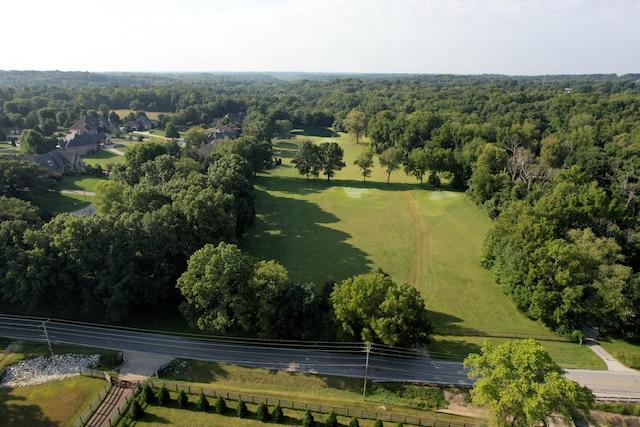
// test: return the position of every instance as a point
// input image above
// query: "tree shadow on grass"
(16, 415)
(302, 186)
(343, 383)
(155, 419)
(297, 234)
(446, 324)
(452, 349)
(316, 131)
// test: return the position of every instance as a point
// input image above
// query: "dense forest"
(553, 160)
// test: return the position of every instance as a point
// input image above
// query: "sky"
(512, 37)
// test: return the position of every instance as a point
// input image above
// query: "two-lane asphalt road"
(342, 359)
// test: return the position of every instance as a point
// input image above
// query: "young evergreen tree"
(202, 403)
(183, 400)
(262, 413)
(147, 394)
(220, 405)
(332, 420)
(277, 416)
(163, 397)
(135, 410)
(241, 409)
(307, 419)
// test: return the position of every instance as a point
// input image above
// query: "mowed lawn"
(430, 238)
(56, 403)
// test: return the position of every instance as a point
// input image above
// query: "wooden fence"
(93, 406)
(302, 406)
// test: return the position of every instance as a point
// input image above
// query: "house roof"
(89, 124)
(77, 140)
(52, 161)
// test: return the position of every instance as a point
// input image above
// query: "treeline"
(131, 252)
(195, 99)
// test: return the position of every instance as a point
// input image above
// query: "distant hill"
(77, 79)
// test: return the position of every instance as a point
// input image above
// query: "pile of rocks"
(43, 369)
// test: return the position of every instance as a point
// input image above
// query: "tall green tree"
(391, 160)
(195, 137)
(331, 158)
(308, 159)
(258, 125)
(521, 385)
(372, 307)
(33, 142)
(216, 288)
(417, 164)
(22, 178)
(231, 174)
(355, 123)
(143, 152)
(257, 153)
(171, 131)
(365, 162)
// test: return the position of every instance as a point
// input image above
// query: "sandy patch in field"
(440, 195)
(355, 193)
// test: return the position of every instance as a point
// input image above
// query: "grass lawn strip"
(327, 390)
(158, 415)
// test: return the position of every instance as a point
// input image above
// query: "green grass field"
(428, 237)
(106, 158)
(56, 403)
(81, 182)
(150, 114)
(61, 202)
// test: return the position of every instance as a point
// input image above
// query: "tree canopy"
(372, 307)
(520, 385)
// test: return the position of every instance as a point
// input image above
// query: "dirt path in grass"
(418, 261)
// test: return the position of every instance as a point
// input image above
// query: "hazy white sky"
(516, 37)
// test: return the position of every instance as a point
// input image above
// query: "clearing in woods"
(425, 236)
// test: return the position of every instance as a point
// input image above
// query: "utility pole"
(46, 335)
(366, 371)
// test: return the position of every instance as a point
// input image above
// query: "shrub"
(332, 420)
(262, 413)
(400, 424)
(147, 394)
(378, 423)
(241, 409)
(277, 416)
(629, 359)
(307, 419)
(354, 422)
(135, 410)
(577, 336)
(163, 397)
(220, 405)
(202, 403)
(183, 400)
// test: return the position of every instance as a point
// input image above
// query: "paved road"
(326, 359)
